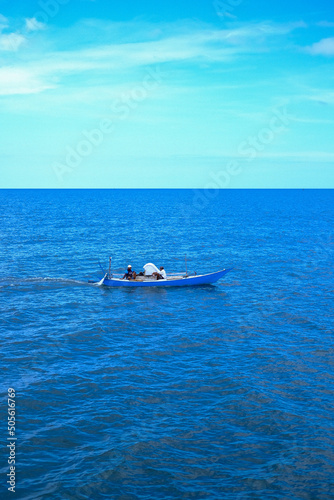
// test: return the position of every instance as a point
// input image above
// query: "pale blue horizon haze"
(235, 94)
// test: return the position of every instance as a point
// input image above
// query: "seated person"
(162, 275)
(129, 275)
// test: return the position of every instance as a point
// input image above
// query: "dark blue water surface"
(211, 392)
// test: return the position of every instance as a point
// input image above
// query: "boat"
(146, 279)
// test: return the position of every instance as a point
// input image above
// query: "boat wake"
(12, 281)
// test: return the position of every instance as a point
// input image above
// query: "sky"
(167, 94)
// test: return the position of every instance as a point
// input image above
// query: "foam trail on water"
(11, 281)
(100, 283)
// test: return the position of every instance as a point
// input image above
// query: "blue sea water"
(210, 392)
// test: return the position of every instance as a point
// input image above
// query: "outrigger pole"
(109, 266)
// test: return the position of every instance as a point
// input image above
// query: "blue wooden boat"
(141, 281)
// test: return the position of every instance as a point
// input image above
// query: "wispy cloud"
(319, 95)
(21, 81)
(323, 48)
(32, 24)
(312, 120)
(11, 42)
(325, 24)
(187, 43)
(324, 156)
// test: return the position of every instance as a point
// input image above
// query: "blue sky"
(233, 93)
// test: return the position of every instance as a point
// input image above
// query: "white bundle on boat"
(150, 269)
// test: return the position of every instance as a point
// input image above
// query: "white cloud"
(323, 48)
(321, 96)
(326, 24)
(11, 42)
(324, 97)
(325, 156)
(173, 43)
(20, 81)
(33, 25)
(3, 22)
(190, 45)
(311, 120)
(107, 60)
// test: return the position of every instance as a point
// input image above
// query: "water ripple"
(220, 392)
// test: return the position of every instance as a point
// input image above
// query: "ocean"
(211, 392)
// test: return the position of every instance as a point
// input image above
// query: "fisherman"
(162, 275)
(130, 275)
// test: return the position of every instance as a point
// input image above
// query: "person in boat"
(162, 275)
(130, 275)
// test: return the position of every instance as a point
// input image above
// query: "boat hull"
(204, 279)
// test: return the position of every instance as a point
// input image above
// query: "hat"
(129, 266)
